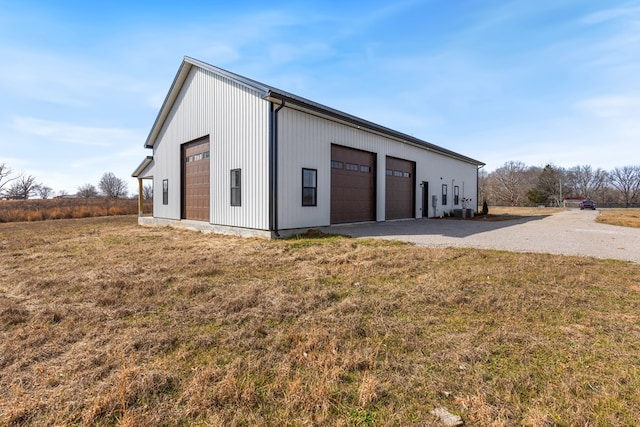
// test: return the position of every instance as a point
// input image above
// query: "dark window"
(236, 195)
(444, 194)
(206, 154)
(351, 167)
(165, 191)
(365, 169)
(406, 174)
(336, 165)
(389, 172)
(309, 187)
(456, 195)
(397, 173)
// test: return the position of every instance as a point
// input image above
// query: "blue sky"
(554, 81)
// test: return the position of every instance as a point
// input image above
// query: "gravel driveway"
(571, 232)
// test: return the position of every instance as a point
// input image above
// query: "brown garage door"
(195, 180)
(353, 178)
(400, 191)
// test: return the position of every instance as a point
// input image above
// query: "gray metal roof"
(278, 96)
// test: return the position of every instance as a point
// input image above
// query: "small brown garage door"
(400, 191)
(195, 180)
(353, 178)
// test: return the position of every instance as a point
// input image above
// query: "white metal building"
(233, 155)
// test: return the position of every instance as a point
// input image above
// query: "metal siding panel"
(301, 145)
(236, 119)
(305, 141)
(438, 170)
(242, 143)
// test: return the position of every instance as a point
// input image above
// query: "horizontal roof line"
(271, 93)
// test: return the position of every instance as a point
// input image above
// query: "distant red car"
(588, 204)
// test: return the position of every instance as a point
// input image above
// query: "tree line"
(513, 184)
(516, 184)
(19, 186)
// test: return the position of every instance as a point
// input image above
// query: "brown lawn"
(103, 322)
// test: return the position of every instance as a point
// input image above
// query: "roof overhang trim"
(142, 167)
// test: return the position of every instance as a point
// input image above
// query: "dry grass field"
(523, 211)
(623, 217)
(106, 323)
(44, 209)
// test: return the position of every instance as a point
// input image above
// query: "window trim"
(314, 188)
(165, 191)
(236, 190)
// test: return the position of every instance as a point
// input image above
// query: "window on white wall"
(456, 195)
(444, 194)
(165, 191)
(309, 187)
(236, 193)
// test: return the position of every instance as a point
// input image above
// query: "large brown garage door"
(195, 180)
(353, 178)
(400, 191)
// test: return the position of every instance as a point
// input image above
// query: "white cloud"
(611, 14)
(612, 106)
(75, 134)
(65, 79)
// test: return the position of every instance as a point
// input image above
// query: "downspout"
(273, 167)
(478, 188)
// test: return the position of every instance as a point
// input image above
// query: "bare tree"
(43, 191)
(627, 181)
(112, 186)
(23, 187)
(483, 186)
(147, 192)
(87, 191)
(508, 184)
(6, 177)
(585, 181)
